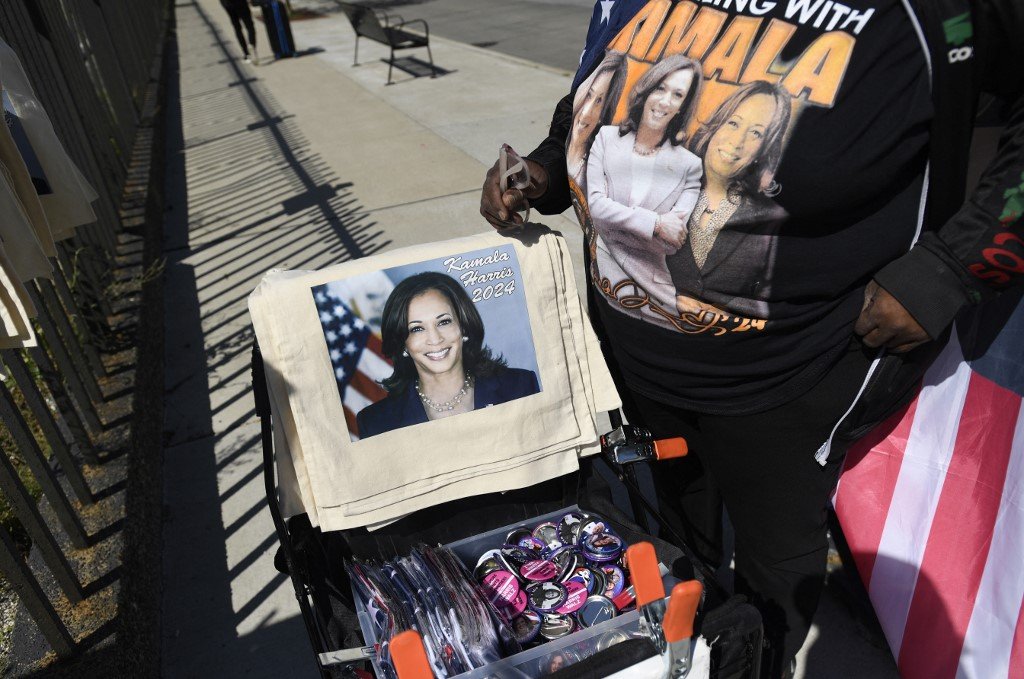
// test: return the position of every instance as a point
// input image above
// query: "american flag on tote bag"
(350, 315)
(932, 506)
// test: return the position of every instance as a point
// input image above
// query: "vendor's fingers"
(513, 222)
(877, 337)
(498, 208)
(507, 217)
(492, 207)
(866, 321)
(514, 200)
(865, 324)
(869, 294)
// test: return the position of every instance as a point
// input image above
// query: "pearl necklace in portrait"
(447, 405)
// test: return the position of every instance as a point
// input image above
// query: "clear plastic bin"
(549, 656)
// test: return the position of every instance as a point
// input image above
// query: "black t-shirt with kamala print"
(742, 169)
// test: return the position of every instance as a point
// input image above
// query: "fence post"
(49, 425)
(77, 326)
(31, 594)
(50, 311)
(77, 396)
(40, 466)
(79, 385)
(79, 269)
(27, 512)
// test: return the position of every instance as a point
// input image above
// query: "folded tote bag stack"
(351, 452)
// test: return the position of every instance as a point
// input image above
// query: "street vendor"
(789, 295)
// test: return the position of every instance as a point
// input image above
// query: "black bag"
(733, 629)
(279, 28)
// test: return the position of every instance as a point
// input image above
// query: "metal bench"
(387, 29)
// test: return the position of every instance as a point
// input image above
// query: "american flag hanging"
(932, 506)
(355, 351)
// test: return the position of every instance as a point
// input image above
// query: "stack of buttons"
(551, 580)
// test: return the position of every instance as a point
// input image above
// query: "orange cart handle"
(410, 657)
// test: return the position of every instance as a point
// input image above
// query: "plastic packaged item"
(542, 659)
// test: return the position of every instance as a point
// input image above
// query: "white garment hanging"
(17, 236)
(68, 204)
(16, 309)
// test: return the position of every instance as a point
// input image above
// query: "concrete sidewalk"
(302, 163)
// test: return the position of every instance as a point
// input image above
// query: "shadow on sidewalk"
(245, 194)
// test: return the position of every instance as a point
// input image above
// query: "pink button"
(501, 588)
(539, 571)
(574, 601)
(517, 606)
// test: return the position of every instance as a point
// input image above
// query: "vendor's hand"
(672, 228)
(500, 209)
(884, 322)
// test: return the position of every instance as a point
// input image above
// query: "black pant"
(240, 14)
(762, 467)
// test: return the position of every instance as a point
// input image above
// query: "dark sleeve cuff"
(556, 199)
(551, 154)
(927, 287)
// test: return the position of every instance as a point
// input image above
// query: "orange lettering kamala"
(819, 70)
(735, 56)
(767, 51)
(698, 36)
(636, 37)
(634, 69)
(671, 31)
(726, 58)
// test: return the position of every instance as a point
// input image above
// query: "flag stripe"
(862, 509)
(353, 426)
(367, 387)
(926, 458)
(989, 638)
(373, 366)
(373, 342)
(961, 533)
(1017, 652)
(355, 401)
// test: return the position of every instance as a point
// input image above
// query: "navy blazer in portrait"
(401, 410)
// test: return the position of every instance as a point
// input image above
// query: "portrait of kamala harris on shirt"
(642, 182)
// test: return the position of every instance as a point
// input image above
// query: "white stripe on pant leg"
(925, 461)
(986, 652)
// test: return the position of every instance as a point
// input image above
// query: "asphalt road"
(549, 32)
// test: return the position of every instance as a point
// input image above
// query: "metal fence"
(94, 65)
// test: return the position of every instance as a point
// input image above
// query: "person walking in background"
(240, 15)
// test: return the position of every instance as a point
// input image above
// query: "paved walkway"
(299, 164)
(294, 164)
